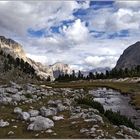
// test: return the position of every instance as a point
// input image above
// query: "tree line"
(10, 63)
(114, 73)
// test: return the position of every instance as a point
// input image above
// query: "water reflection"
(114, 100)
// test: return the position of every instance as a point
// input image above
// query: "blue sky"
(83, 34)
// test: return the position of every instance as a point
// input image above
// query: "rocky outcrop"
(9, 46)
(130, 57)
(60, 68)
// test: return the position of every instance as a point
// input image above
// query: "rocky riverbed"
(38, 111)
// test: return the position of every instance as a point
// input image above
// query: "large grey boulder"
(5, 100)
(48, 111)
(16, 97)
(41, 123)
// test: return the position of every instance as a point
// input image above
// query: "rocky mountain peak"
(11, 47)
(130, 57)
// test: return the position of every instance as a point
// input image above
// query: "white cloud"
(17, 17)
(77, 32)
(101, 61)
(75, 44)
(127, 4)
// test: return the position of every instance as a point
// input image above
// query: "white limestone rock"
(17, 110)
(41, 123)
(3, 123)
(33, 113)
(24, 116)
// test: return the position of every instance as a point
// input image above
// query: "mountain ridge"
(130, 57)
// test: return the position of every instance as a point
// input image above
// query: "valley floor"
(50, 111)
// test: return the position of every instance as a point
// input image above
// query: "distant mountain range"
(130, 57)
(99, 70)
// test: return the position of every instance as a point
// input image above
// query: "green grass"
(89, 101)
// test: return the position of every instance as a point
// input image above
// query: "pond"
(112, 99)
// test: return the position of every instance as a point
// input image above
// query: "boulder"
(41, 123)
(5, 100)
(16, 97)
(48, 111)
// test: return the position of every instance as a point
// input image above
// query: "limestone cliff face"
(13, 48)
(60, 68)
(130, 57)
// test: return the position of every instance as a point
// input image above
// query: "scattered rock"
(3, 123)
(41, 123)
(61, 107)
(36, 135)
(33, 113)
(15, 126)
(16, 97)
(10, 133)
(83, 130)
(17, 110)
(57, 118)
(49, 131)
(24, 116)
(48, 111)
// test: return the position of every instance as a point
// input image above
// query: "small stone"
(36, 135)
(14, 126)
(3, 123)
(49, 131)
(83, 130)
(54, 134)
(57, 118)
(61, 107)
(12, 120)
(73, 122)
(10, 133)
(17, 110)
(24, 116)
(92, 129)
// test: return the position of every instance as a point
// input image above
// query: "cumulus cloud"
(101, 61)
(77, 32)
(17, 17)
